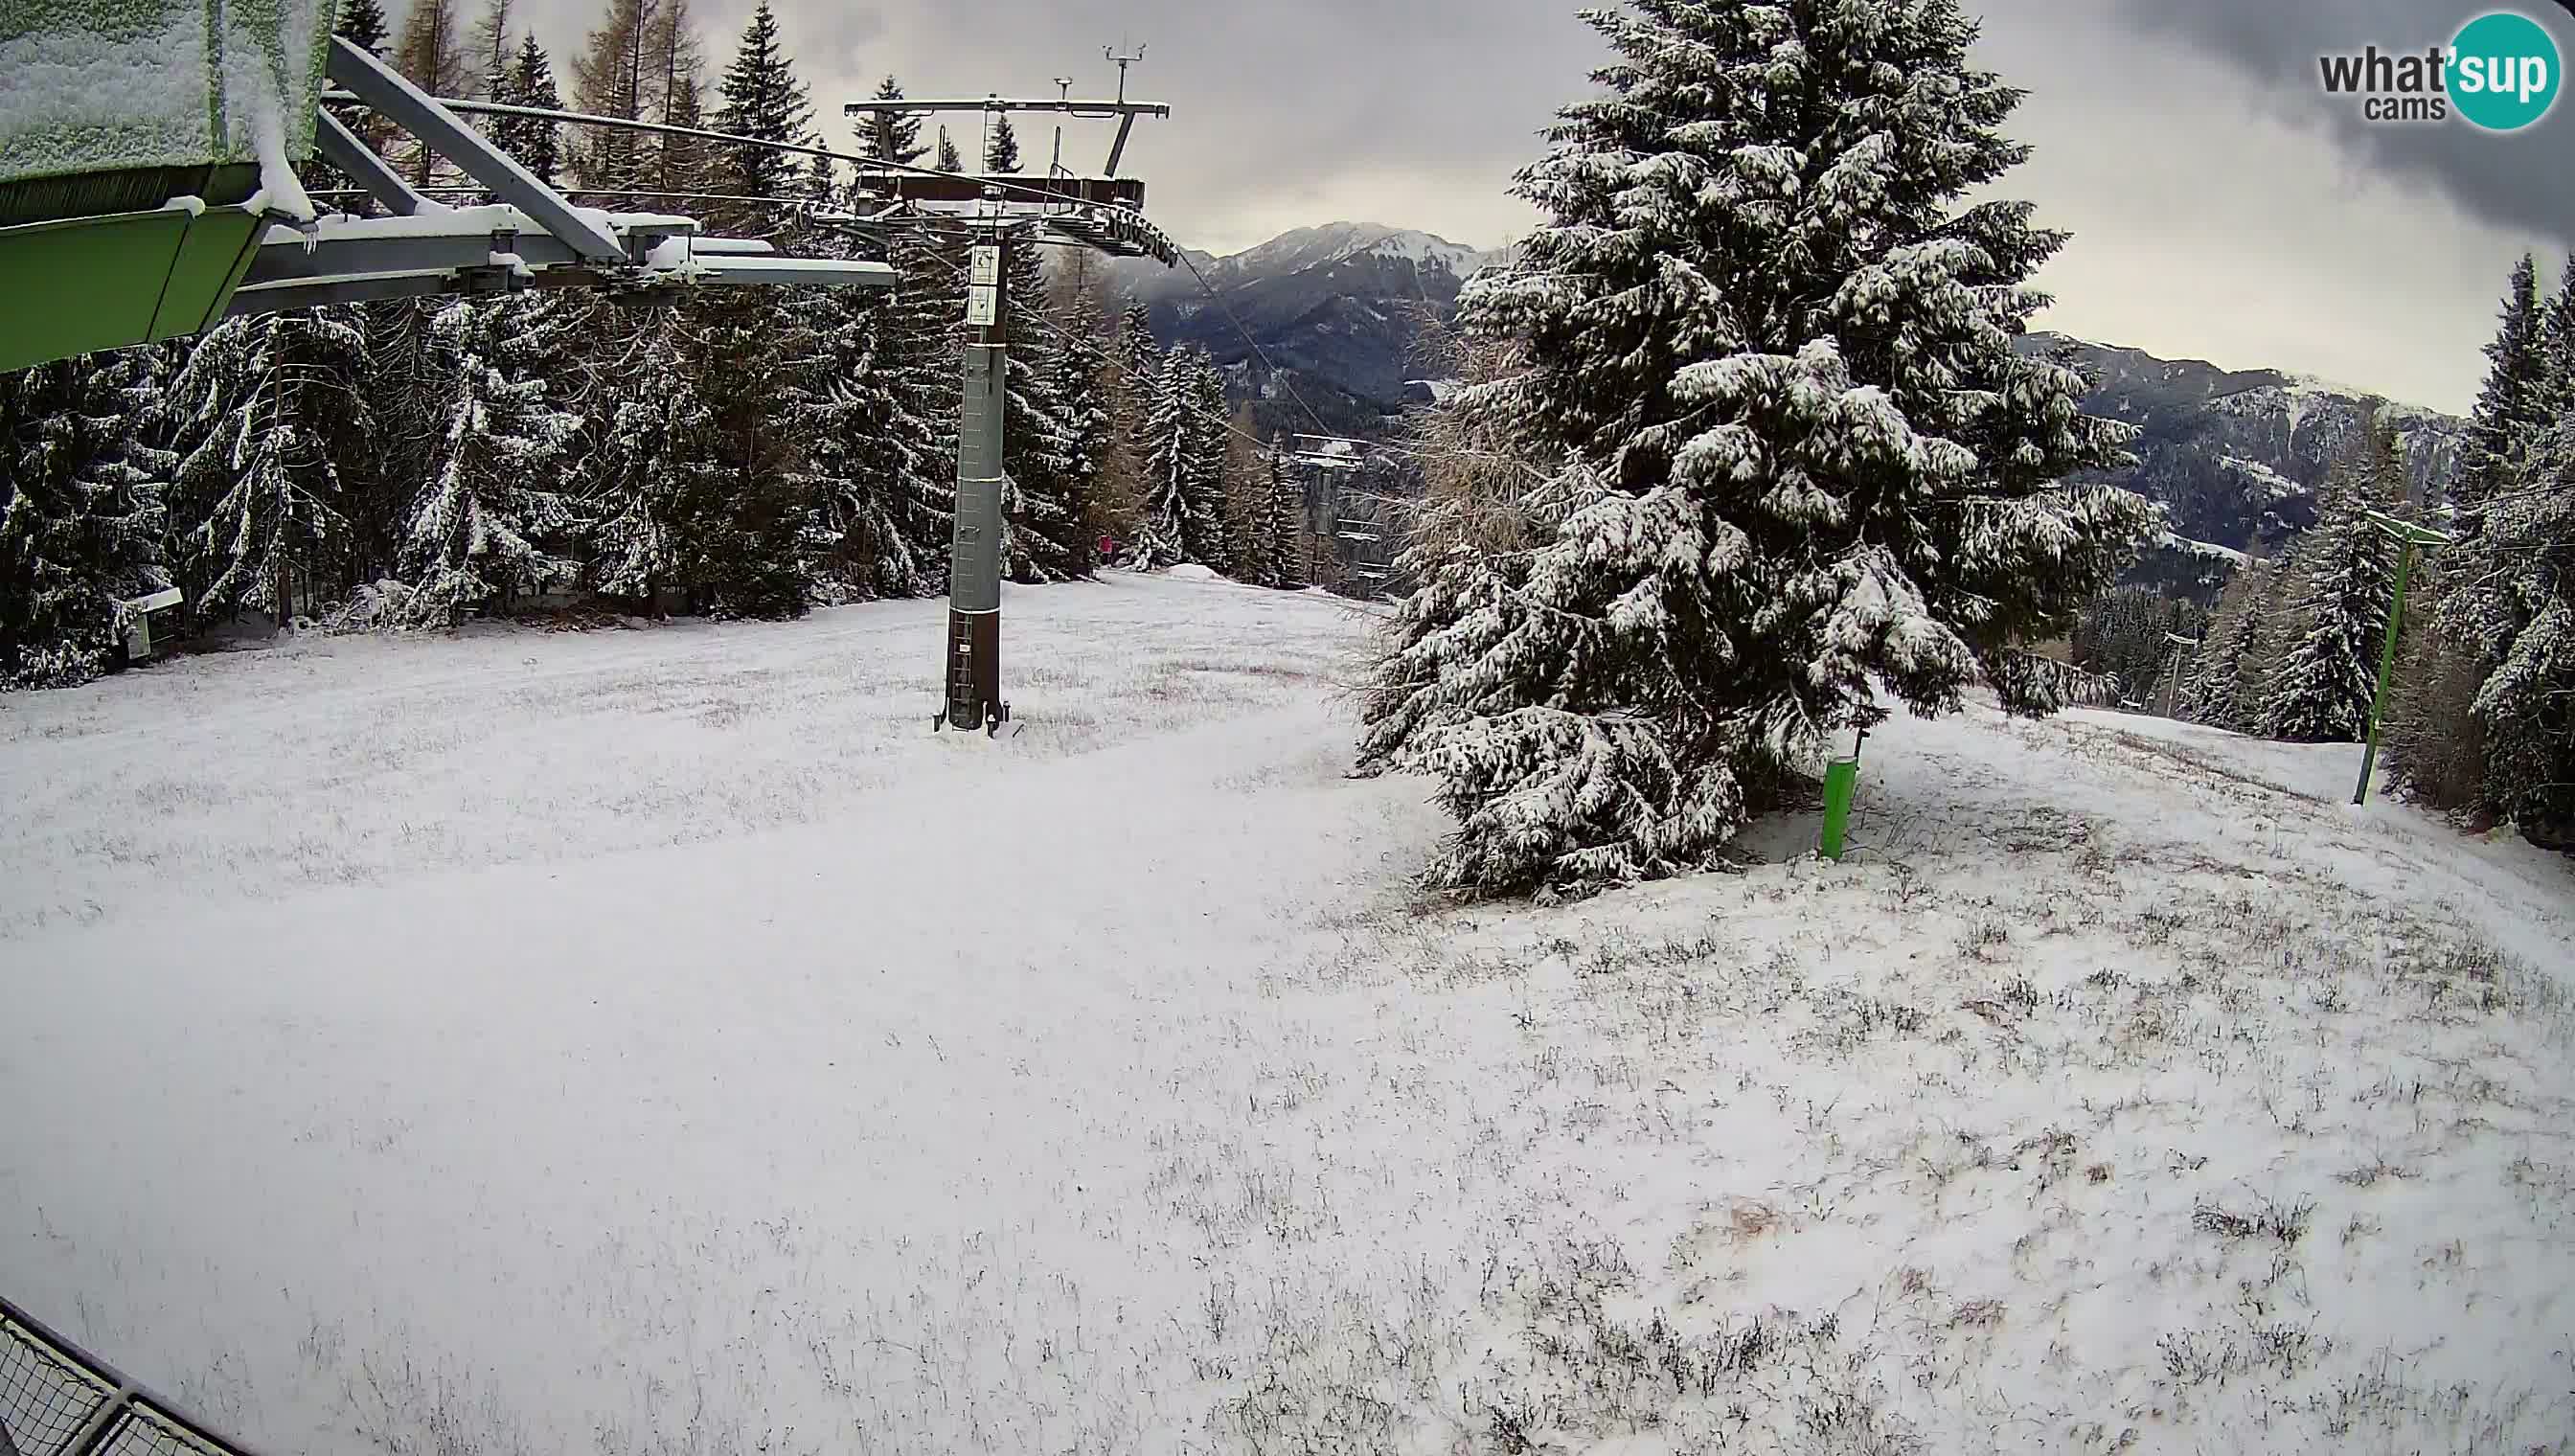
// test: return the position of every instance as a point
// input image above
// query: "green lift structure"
(149, 190)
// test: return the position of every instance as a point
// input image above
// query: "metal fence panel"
(143, 1431)
(56, 1399)
(46, 1400)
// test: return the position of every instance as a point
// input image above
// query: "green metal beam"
(89, 284)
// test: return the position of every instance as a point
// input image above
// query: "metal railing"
(56, 1399)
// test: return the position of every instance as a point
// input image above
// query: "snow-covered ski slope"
(657, 1041)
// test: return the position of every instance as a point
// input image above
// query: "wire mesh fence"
(58, 1400)
(142, 1431)
(46, 1398)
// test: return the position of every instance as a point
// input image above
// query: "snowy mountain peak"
(1331, 243)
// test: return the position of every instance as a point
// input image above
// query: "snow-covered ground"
(659, 1041)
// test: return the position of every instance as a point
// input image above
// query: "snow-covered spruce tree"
(754, 356)
(2476, 608)
(891, 136)
(1001, 150)
(2276, 623)
(2508, 406)
(2526, 706)
(948, 159)
(863, 453)
(683, 166)
(650, 468)
(1080, 373)
(1208, 535)
(401, 386)
(489, 522)
(363, 21)
(1139, 358)
(1287, 520)
(1040, 499)
(918, 359)
(81, 514)
(1170, 445)
(2345, 586)
(535, 143)
(2209, 695)
(763, 98)
(266, 408)
(2523, 562)
(1794, 454)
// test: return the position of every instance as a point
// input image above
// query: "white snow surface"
(2269, 483)
(260, 104)
(2205, 548)
(659, 1039)
(109, 94)
(2309, 384)
(127, 84)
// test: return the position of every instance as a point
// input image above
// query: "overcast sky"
(2222, 207)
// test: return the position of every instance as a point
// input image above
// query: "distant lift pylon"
(1336, 455)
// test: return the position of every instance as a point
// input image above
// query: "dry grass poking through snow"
(2075, 1128)
(2126, 1095)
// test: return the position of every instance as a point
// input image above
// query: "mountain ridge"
(1335, 314)
(1292, 250)
(1338, 308)
(2237, 456)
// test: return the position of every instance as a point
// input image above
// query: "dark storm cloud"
(2523, 181)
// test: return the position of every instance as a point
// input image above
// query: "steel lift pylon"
(1102, 213)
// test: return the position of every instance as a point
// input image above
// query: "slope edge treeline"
(744, 452)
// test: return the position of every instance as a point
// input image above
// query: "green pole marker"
(2408, 536)
(1841, 777)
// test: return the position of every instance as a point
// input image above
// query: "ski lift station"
(149, 188)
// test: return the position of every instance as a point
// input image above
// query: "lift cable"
(584, 118)
(1064, 334)
(580, 118)
(1258, 352)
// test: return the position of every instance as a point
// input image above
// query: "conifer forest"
(414, 463)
